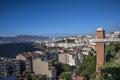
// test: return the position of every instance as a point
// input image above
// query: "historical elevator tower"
(100, 48)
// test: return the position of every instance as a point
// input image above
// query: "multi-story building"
(63, 44)
(62, 58)
(26, 60)
(86, 50)
(13, 67)
(9, 66)
(43, 68)
(3, 68)
(71, 59)
(35, 63)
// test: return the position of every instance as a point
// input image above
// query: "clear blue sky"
(36, 17)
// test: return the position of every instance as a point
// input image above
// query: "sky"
(36, 17)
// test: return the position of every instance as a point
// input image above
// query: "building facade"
(71, 59)
(9, 66)
(37, 65)
(26, 60)
(43, 68)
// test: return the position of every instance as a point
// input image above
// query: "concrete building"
(34, 63)
(3, 68)
(86, 50)
(9, 66)
(80, 57)
(114, 34)
(71, 59)
(13, 67)
(43, 68)
(26, 60)
(64, 44)
(62, 58)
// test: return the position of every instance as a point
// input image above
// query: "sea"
(13, 49)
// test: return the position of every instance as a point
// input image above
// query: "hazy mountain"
(22, 38)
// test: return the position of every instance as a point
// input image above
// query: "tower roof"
(100, 29)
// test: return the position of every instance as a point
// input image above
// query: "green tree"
(66, 67)
(70, 40)
(111, 70)
(87, 67)
(26, 73)
(1, 76)
(34, 77)
(65, 75)
(111, 50)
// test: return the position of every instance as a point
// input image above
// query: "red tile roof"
(29, 54)
(78, 78)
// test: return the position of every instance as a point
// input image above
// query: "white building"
(70, 59)
(65, 45)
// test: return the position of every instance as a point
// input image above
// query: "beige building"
(41, 67)
(62, 58)
(26, 60)
(34, 63)
(67, 59)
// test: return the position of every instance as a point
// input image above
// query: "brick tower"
(100, 48)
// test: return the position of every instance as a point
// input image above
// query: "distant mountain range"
(22, 39)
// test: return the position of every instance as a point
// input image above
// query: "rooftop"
(78, 78)
(29, 54)
(100, 29)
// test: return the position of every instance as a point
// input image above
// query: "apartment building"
(3, 68)
(43, 68)
(9, 66)
(34, 63)
(71, 59)
(62, 58)
(13, 67)
(26, 60)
